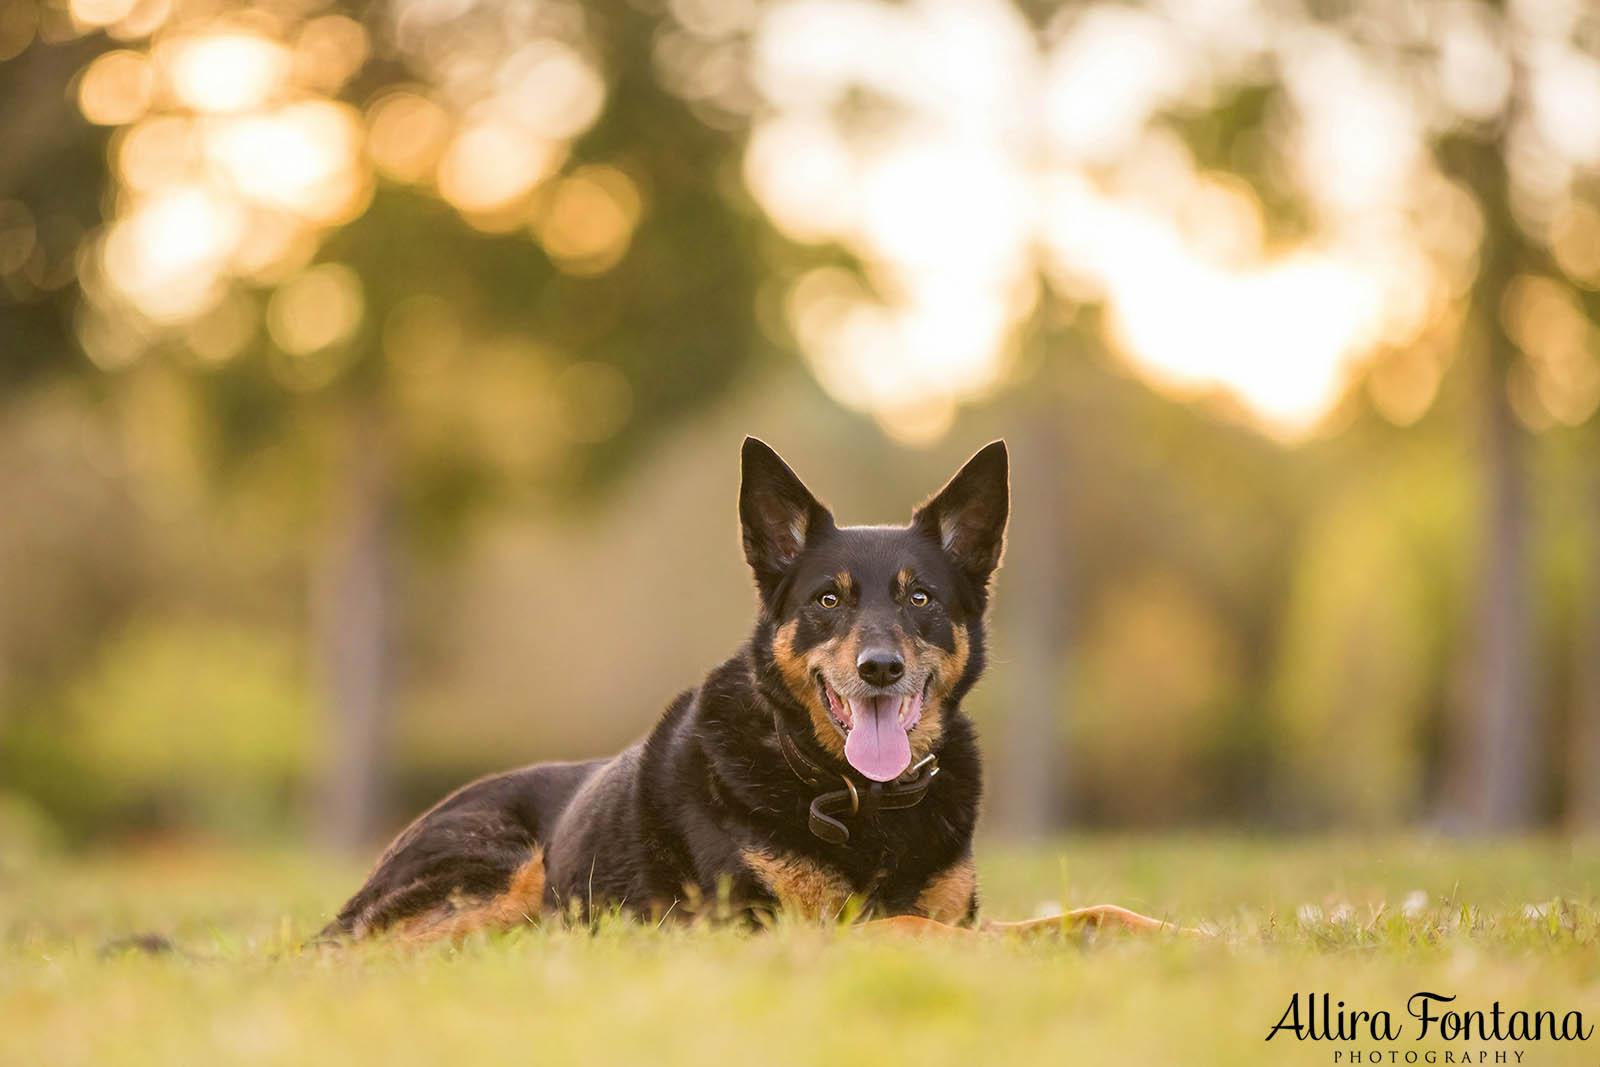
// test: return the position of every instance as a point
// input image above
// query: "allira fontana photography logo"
(1452, 1033)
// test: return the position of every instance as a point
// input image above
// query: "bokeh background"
(372, 377)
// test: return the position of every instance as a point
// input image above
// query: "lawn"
(1368, 921)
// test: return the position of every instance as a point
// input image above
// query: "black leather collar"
(829, 808)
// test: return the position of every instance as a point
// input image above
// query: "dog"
(825, 769)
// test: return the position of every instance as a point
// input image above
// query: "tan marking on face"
(519, 904)
(798, 673)
(836, 658)
(929, 731)
(948, 897)
(845, 583)
(948, 668)
(902, 582)
(803, 886)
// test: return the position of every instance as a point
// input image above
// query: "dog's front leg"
(917, 926)
(1094, 918)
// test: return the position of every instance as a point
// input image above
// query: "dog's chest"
(802, 884)
(815, 889)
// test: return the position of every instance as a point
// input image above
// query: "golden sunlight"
(226, 71)
(1544, 319)
(588, 220)
(235, 158)
(979, 177)
(547, 87)
(1575, 240)
(328, 52)
(156, 153)
(100, 12)
(117, 88)
(167, 255)
(316, 309)
(491, 166)
(301, 158)
(406, 135)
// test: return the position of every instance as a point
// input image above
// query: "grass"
(1369, 921)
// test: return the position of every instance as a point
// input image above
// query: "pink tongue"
(877, 744)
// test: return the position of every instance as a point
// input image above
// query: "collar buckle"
(830, 807)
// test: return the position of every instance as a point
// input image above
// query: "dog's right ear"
(968, 516)
(777, 514)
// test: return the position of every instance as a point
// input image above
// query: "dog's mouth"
(876, 727)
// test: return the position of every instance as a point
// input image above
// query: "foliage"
(1269, 622)
(179, 726)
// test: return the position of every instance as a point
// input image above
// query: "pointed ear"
(968, 516)
(777, 514)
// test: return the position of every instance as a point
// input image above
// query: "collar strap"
(829, 807)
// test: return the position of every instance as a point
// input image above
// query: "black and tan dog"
(825, 766)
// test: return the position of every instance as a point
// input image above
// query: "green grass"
(1368, 921)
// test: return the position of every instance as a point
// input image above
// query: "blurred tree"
(1497, 773)
(413, 257)
(451, 255)
(1585, 766)
(51, 181)
(1575, 257)
(1030, 796)
(1482, 83)
(1484, 91)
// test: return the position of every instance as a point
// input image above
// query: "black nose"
(880, 666)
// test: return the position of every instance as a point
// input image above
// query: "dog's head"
(875, 631)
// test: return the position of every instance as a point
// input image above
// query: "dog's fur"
(706, 816)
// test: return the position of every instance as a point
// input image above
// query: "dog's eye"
(919, 599)
(828, 600)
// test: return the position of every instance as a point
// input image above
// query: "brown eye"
(919, 599)
(829, 600)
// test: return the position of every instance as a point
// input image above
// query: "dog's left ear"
(968, 516)
(777, 514)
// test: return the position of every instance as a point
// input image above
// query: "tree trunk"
(1028, 780)
(1496, 779)
(1505, 728)
(1585, 765)
(350, 631)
